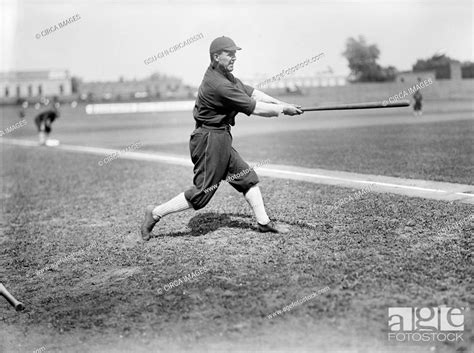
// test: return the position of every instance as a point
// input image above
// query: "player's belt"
(212, 127)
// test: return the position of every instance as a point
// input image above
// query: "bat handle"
(19, 306)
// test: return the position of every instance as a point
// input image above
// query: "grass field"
(441, 151)
(438, 146)
(378, 251)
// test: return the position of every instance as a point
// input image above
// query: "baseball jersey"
(221, 97)
(417, 96)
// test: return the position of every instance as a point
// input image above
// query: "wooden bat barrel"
(364, 105)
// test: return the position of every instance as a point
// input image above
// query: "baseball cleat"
(272, 228)
(148, 223)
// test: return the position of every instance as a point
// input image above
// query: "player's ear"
(214, 59)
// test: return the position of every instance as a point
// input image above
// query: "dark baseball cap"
(223, 43)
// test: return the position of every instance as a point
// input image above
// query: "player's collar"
(224, 73)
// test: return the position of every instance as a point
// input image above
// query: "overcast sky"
(113, 38)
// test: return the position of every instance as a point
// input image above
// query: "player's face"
(227, 59)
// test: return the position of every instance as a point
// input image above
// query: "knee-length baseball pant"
(215, 160)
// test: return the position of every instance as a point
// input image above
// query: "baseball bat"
(19, 306)
(364, 105)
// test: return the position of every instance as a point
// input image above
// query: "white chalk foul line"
(319, 176)
(143, 156)
(264, 171)
(464, 194)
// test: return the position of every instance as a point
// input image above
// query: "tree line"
(362, 59)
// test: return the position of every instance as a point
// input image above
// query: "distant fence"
(144, 107)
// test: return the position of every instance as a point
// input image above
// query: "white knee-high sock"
(42, 137)
(254, 198)
(176, 204)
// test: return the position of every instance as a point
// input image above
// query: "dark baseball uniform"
(221, 97)
(45, 119)
(418, 97)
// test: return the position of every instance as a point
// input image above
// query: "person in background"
(23, 107)
(45, 119)
(417, 108)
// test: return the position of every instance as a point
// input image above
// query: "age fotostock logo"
(426, 324)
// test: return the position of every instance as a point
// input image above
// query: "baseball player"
(22, 111)
(220, 98)
(45, 119)
(417, 105)
(417, 108)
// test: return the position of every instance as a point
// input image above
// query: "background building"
(32, 85)
(155, 87)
